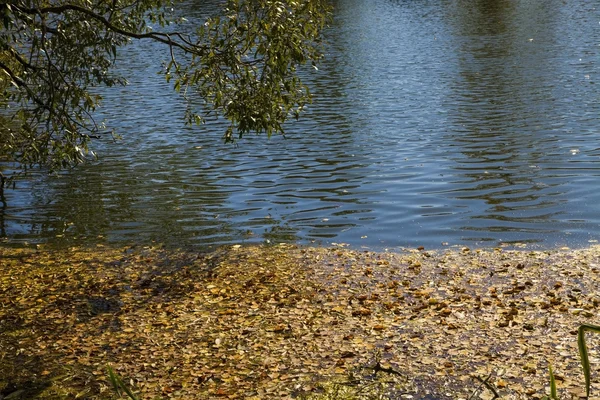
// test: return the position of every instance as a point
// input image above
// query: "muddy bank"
(271, 322)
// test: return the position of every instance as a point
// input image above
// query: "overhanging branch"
(166, 38)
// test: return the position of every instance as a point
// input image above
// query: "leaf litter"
(262, 322)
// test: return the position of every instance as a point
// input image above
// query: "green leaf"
(241, 64)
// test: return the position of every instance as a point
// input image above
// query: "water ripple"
(433, 121)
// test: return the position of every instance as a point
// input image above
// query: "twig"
(485, 383)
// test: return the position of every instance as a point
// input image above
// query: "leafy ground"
(274, 322)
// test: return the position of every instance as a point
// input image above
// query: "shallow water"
(434, 123)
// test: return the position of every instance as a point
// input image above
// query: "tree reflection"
(499, 104)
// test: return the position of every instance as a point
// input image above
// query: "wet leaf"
(267, 321)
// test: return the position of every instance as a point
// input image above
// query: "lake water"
(435, 123)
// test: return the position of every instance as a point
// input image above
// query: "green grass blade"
(584, 355)
(114, 380)
(130, 393)
(119, 385)
(553, 393)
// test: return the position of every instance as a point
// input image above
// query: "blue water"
(435, 123)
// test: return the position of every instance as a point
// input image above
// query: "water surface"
(434, 123)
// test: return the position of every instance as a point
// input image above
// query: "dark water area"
(435, 123)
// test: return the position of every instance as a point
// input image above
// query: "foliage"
(374, 388)
(271, 322)
(353, 388)
(53, 54)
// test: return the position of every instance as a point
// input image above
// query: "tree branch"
(158, 36)
(21, 84)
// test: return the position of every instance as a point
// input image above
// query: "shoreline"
(272, 322)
